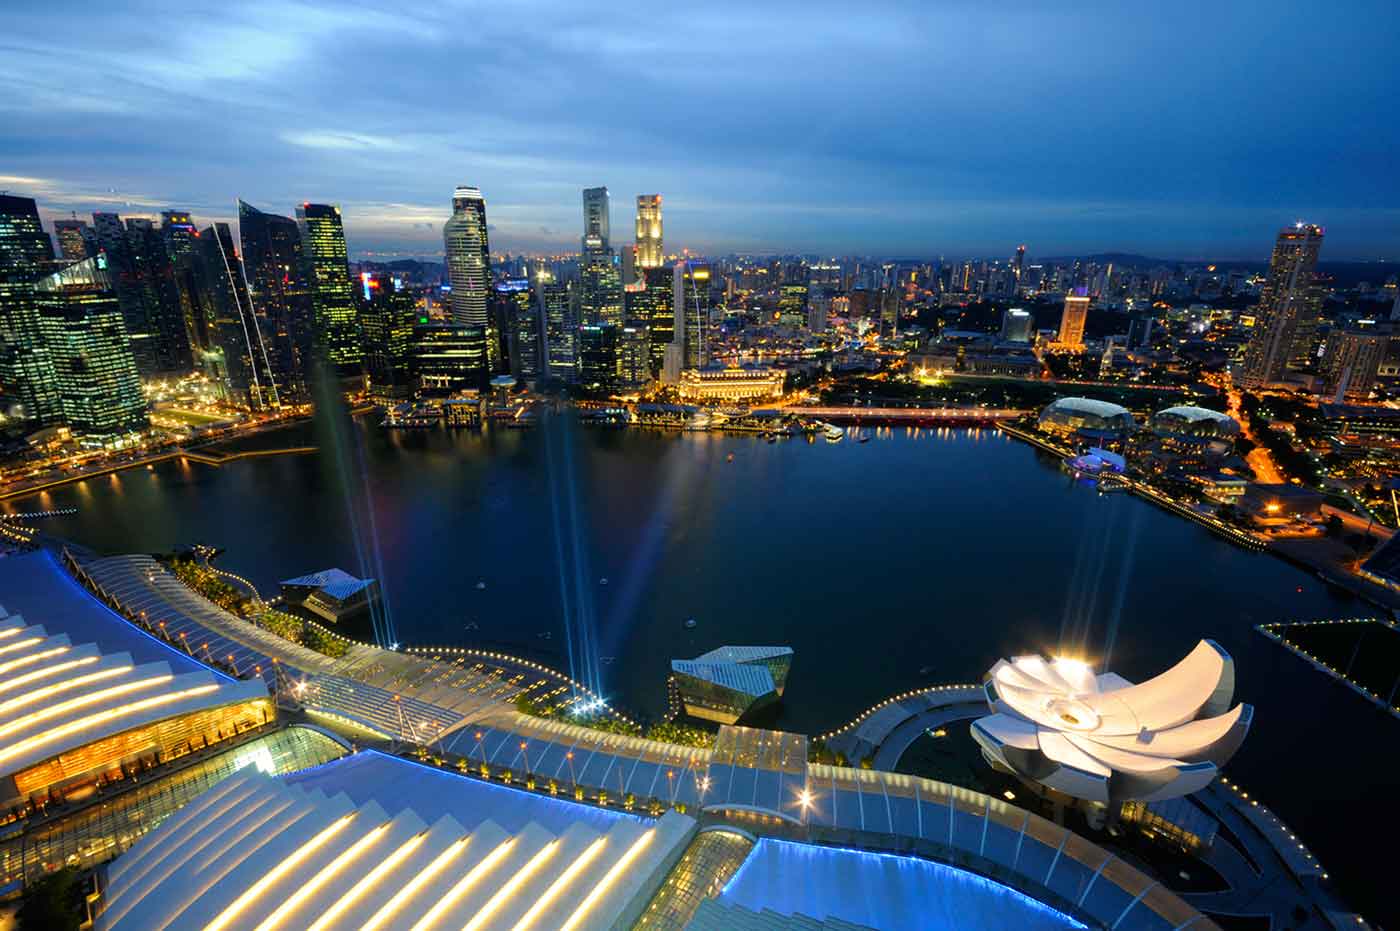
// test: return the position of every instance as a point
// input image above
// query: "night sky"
(958, 127)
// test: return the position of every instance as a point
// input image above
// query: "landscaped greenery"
(672, 733)
(204, 580)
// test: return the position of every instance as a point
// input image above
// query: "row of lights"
(860, 719)
(1323, 664)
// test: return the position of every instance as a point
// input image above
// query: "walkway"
(887, 730)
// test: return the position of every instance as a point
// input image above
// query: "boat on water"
(690, 623)
(833, 433)
(699, 421)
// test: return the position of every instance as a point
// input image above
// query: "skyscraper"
(76, 239)
(691, 302)
(597, 221)
(337, 329)
(26, 254)
(519, 320)
(388, 316)
(556, 308)
(649, 251)
(233, 350)
(1287, 307)
(1076, 312)
(1350, 364)
(95, 374)
(600, 281)
(650, 304)
(277, 269)
(468, 258)
(148, 289)
(600, 288)
(599, 356)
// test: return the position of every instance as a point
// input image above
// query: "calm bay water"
(888, 565)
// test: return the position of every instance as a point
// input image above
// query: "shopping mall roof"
(34, 585)
(266, 853)
(56, 697)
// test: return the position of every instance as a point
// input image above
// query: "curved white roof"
(1100, 737)
(1103, 409)
(257, 852)
(1190, 412)
(56, 697)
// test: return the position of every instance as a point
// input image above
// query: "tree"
(54, 903)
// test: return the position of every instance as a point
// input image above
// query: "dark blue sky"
(955, 127)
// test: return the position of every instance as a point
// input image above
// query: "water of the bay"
(904, 561)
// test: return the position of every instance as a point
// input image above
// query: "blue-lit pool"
(883, 891)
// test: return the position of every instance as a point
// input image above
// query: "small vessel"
(833, 433)
(772, 438)
(480, 586)
(603, 580)
(729, 458)
(690, 623)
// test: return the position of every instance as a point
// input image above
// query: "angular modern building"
(1286, 317)
(556, 311)
(331, 594)
(225, 326)
(275, 262)
(468, 253)
(1100, 738)
(450, 357)
(725, 684)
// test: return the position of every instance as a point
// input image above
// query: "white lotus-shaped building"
(1104, 739)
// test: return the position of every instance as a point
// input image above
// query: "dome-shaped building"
(1185, 420)
(1087, 417)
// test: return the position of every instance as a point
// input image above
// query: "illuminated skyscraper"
(1351, 362)
(388, 317)
(179, 232)
(600, 356)
(600, 280)
(76, 239)
(95, 375)
(691, 302)
(650, 304)
(337, 329)
(468, 258)
(560, 329)
(1071, 333)
(274, 260)
(450, 357)
(26, 254)
(1287, 310)
(649, 251)
(519, 320)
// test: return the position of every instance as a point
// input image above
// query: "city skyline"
(1166, 146)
